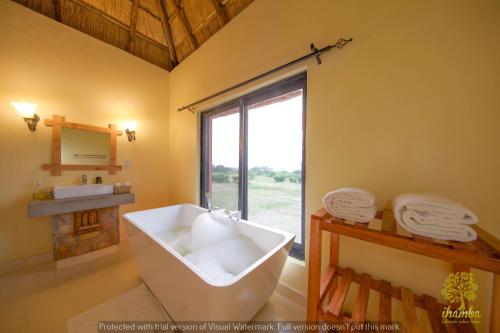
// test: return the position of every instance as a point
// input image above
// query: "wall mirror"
(82, 147)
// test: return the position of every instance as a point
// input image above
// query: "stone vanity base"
(67, 243)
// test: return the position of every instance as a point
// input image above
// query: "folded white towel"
(434, 216)
(352, 197)
(360, 214)
(351, 204)
(435, 208)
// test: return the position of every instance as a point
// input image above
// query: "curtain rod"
(315, 52)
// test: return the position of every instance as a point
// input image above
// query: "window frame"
(242, 103)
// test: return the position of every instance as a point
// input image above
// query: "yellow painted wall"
(69, 73)
(411, 105)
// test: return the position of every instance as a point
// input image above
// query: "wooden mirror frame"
(58, 123)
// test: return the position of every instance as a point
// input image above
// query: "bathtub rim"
(287, 238)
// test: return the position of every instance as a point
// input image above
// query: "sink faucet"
(84, 179)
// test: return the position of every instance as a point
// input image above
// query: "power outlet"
(127, 164)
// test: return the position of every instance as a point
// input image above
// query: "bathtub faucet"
(208, 197)
(233, 214)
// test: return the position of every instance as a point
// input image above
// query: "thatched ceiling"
(162, 32)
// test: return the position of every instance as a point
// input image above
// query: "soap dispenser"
(40, 193)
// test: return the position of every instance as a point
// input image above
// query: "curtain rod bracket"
(315, 52)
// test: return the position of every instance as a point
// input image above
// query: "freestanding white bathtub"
(183, 289)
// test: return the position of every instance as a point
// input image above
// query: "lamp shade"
(25, 110)
(132, 126)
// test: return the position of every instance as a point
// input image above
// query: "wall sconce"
(131, 128)
(27, 111)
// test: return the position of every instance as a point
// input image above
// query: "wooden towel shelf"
(483, 253)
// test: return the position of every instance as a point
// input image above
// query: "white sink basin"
(75, 191)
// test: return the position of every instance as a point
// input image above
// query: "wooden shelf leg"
(495, 305)
(334, 258)
(314, 272)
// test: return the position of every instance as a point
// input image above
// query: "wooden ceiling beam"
(100, 13)
(221, 12)
(179, 12)
(133, 24)
(203, 23)
(57, 10)
(168, 33)
(95, 11)
(146, 10)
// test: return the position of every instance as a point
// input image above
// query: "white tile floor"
(136, 304)
(42, 298)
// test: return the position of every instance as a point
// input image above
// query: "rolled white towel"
(352, 197)
(434, 208)
(360, 214)
(442, 230)
(351, 204)
(434, 216)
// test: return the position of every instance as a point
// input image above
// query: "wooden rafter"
(146, 10)
(133, 23)
(100, 13)
(118, 23)
(205, 21)
(57, 10)
(179, 12)
(168, 33)
(221, 12)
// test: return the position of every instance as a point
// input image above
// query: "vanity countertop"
(38, 208)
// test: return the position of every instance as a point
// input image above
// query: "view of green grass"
(274, 198)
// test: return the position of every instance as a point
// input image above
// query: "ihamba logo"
(458, 288)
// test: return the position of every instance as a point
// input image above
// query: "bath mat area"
(135, 305)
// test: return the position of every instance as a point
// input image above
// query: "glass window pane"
(275, 163)
(224, 159)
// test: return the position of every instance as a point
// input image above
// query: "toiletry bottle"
(38, 191)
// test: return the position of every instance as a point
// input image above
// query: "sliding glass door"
(253, 157)
(275, 162)
(224, 152)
